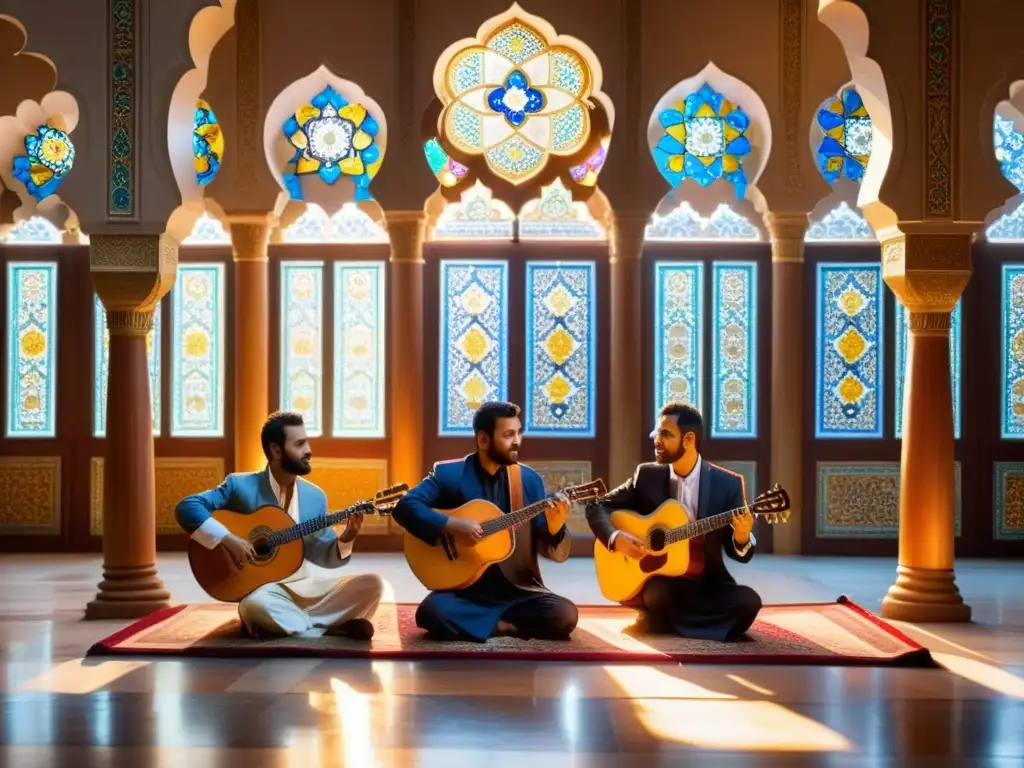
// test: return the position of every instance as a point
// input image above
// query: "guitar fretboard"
(305, 529)
(702, 526)
(517, 518)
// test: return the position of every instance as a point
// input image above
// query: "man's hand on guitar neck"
(466, 531)
(557, 513)
(238, 549)
(352, 527)
(627, 545)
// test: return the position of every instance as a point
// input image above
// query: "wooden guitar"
(277, 540)
(451, 564)
(673, 544)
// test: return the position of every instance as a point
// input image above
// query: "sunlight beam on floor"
(982, 673)
(78, 677)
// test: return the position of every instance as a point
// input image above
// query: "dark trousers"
(543, 616)
(702, 610)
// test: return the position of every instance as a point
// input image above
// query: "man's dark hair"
(486, 417)
(687, 418)
(273, 429)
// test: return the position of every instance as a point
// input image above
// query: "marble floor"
(62, 710)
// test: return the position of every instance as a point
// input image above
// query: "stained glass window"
(678, 319)
(207, 231)
(302, 348)
(684, 223)
(841, 224)
(556, 217)
(902, 333)
(478, 216)
(1013, 352)
(846, 145)
(586, 173)
(35, 230)
(332, 138)
(207, 143)
(561, 335)
(197, 351)
(848, 351)
(49, 157)
(447, 171)
(474, 340)
(360, 341)
(734, 349)
(101, 367)
(704, 140)
(515, 101)
(31, 349)
(1009, 147)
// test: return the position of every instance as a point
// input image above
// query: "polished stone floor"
(61, 710)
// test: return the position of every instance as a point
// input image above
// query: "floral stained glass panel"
(302, 348)
(359, 346)
(902, 337)
(197, 351)
(561, 349)
(848, 351)
(734, 350)
(678, 319)
(846, 142)
(101, 367)
(474, 340)
(32, 349)
(1012, 419)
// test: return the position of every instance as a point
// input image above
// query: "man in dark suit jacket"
(711, 606)
(510, 598)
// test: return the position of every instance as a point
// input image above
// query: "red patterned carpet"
(839, 633)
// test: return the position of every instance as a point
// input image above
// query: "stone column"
(130, 274)
(627, 421)
(787, 394)
(249, 238)
(405, 346)
(927, 272)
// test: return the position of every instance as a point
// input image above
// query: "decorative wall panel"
(862, 500)
(561, 344)
(302, 342)
(31, 349)
(1009, 501)
(30, 495)
(360, 343)
(346, 481)
(955, 347)
(678, 342)
(473, 351)
(848, 351)
(198, 341)
(1012, 410)
(562, 474)
(734, 350)
(101, 367)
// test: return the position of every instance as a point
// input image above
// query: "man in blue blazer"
(510, 598)
(712, 606)
(302, 604)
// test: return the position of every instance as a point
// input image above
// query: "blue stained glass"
(1009, 148)
(207, 144)
(846, 146)
(734, 350)
(473, 361)
(31, 349)
(302, 353)
(902, 337)
(101, 367)
(1012, 410)
(678, 346)
(561, 360)
(49, 157)
(848, 351)
(197, 351)
(360, 341)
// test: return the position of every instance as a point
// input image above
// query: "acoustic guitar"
(452, 564)
(277, 540)
(674, 545)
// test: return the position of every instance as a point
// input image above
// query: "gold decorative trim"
(792, 76)
(930, 323)
(249, 241)
(30, 502)
(121, 323)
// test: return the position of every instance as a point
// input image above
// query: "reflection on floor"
(61, 710)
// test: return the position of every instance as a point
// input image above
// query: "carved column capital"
(928, 266)
(250, 235)
(132, 272)
(787, 231)
(406, 231)
(131, 323)
(628, 230)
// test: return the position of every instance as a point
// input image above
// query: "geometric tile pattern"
(734, 350)
(198, 342)
(302, 342)
(955, 343)
(31, 349)
(1008, 521)
(30, 495)
(360, 343)
(678, 340)
(1012, 409)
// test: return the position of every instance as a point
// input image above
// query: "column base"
(128, 592)
(926, 596)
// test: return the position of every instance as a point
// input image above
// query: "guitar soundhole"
(260, 540)
(652, 563)
(656, 540)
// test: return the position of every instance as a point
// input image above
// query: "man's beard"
(499, 458)
(293, 467)
(671, 458)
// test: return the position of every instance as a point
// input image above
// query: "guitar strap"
(515, 486)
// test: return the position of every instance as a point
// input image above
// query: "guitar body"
(621, 578)
(453, 565)
(219, 577)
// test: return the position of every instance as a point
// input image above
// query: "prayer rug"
(836, 634)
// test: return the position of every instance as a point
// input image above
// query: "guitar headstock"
(383, 501)
(595, 489)
(772, 505)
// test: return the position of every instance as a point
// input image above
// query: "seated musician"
(711, 606)
(510, 598)
(301, 604)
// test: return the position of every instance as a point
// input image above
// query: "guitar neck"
(300, 530)
(516, 518)
(702, 526)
